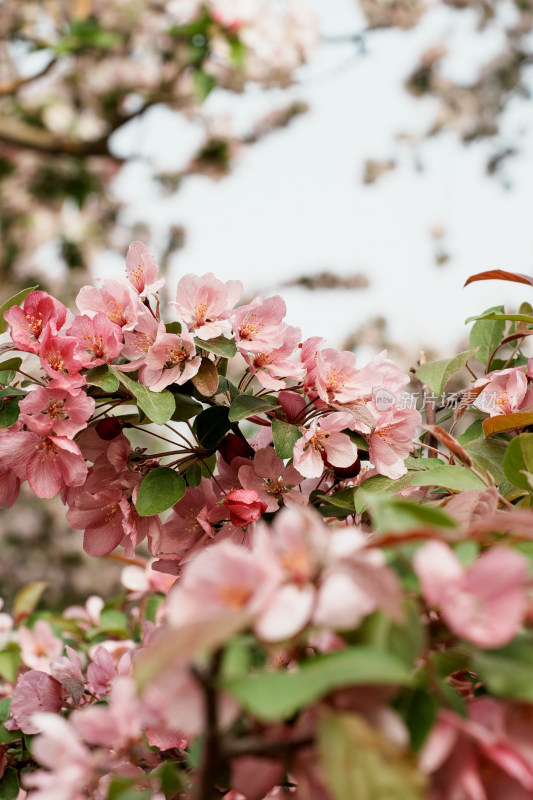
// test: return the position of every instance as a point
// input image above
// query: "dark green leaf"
(16, 300)
(9, 785)
(278, 695)
(194, 475)
(380, 484)
(10, 366)
(186, 407)
(220, 346)
(246, 405)
(488, 454)
(212, 425)
(159, 490)
(103, 378)
(9, 412)
(173, 327)
(343, 499)
(285, 437)
(495, 316)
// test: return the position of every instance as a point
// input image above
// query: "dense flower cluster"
(317, 586)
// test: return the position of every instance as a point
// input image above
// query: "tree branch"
(13, 86)
(211, 756)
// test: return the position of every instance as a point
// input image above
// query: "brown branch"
(250, 746)
(211, 756)
(13, 86)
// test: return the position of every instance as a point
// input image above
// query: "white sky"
(295, 203)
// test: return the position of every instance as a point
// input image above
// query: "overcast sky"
(295, 203)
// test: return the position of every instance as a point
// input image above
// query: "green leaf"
(16, 300)
(12, 364)
(420, 716)
(9, 784)
(380, 484)
(27, 599)
(186, 407)
(495, 316)
(422, 463)
(246, 405)
(397, 514)
(237, 51)
(519, 459)
(203, 84)
(103, 378)
(212, 425)
(343, 499)
(10, 663)
(173, 327)
(488, 454)
(111, 619)
(437, 374)
(486, 334)
(220, 346)
(194, 475)
(359, 762)
(272, 696)
(454, 477)
(9, 412)
(285, 437)
(158, 406)
(159, 490)
(507, 671)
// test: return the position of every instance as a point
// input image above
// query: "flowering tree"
(338, 599)
(73, 74)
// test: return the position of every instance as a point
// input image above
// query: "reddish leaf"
(452, 444)
(500, 275)
(506, 422)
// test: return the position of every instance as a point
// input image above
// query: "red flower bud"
(244, 506)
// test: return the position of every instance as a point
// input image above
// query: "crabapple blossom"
(170, 359)
(272, 480)
(259, 326)
(324, 438)
(101, 338)
(205, 303)
(114, 299)
(484, 603)
(27, 324)
(141, 270)
(39, 646)
(56, 411)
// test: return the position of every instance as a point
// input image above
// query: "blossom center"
(55, 409)
(116, 313)
(235, 597)
(56, 361)
(35, 324)
(176, 354)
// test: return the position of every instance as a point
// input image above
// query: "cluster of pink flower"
(60, 429)
(275, 639)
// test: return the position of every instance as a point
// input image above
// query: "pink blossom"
(272, 480)
(113, 299)
(138, 341)
(67, 670)
(205, 302)
(269, 367)
(9, 487)
(142, 270)
(171, 359)
(392, 439)
(188, 528)
(59, 749)
(117, 725)
(323, 438)
(35, 691)
(505, 392)
(100, 672)
(39, 646)
(484, 603)
(28, 324)
(62, 358)
(48, 463)
(480, 756)
(56, 411)
(244, 506)
(259, 326)
(339, 381)
(309, 355)
(224, 577)
(100, 338)
(293, 405)
(105, 518)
